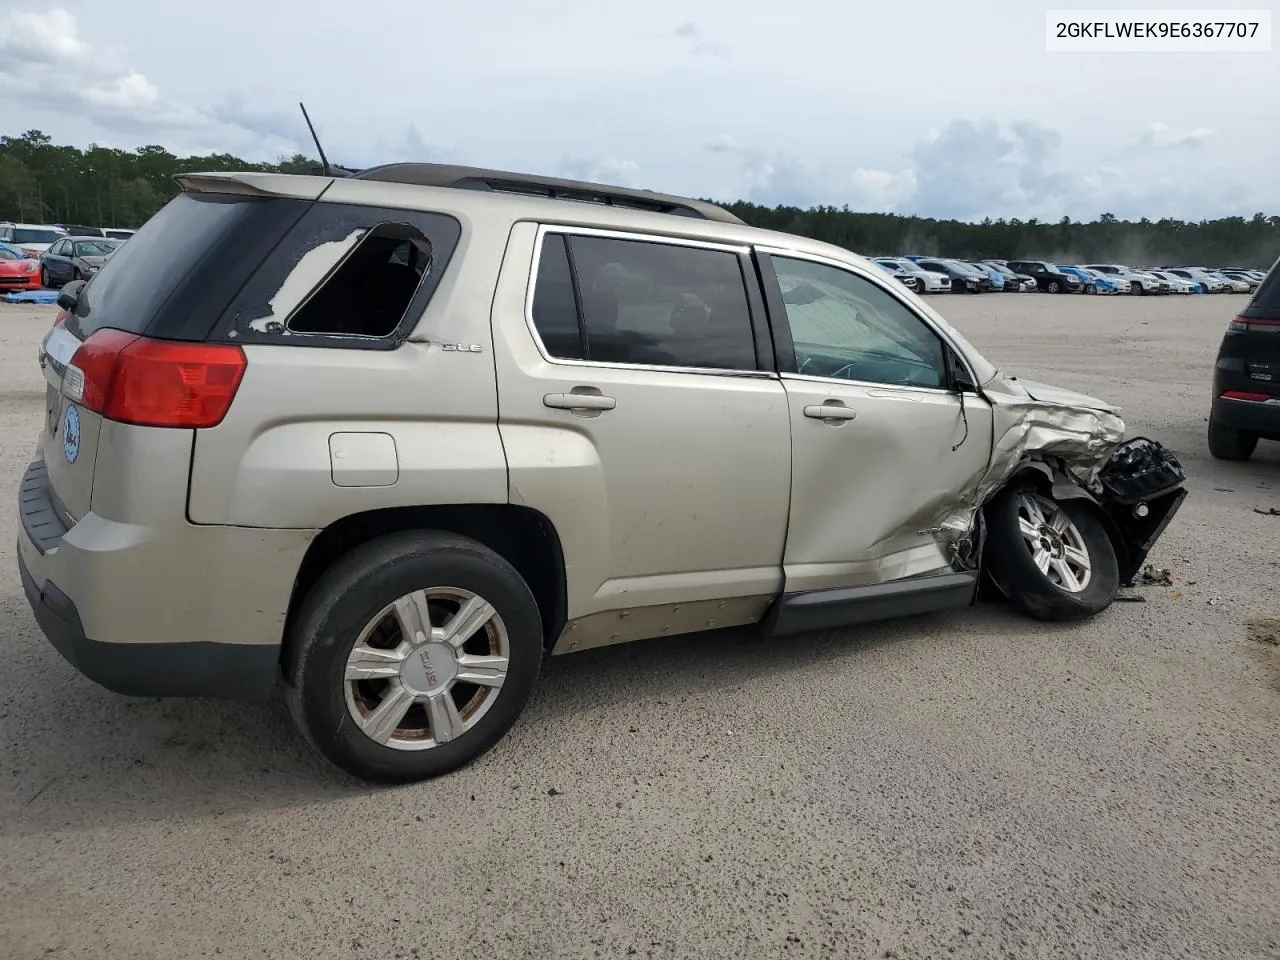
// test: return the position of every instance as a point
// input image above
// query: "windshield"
(1002, 269)
(7, 254)
(27, 235)
(95, 248)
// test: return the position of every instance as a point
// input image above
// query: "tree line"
(43, 182)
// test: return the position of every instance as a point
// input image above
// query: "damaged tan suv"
(385, 441)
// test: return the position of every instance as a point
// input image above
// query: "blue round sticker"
(71, 433)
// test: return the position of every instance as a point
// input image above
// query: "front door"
(881, 441)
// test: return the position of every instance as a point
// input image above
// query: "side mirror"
(961, 381)
(69, 296)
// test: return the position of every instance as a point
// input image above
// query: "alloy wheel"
(1055, 542)
(426, 668)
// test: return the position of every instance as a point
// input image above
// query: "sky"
(927, 107)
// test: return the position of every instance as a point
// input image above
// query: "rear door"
(640, 414)
(882, 445)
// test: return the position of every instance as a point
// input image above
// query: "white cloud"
(1160, 136)
(622, 173)
(637, 96)
(699, 44)
(45, 62)
(44, 59)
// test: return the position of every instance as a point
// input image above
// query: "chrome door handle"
(579, 401)
(830, 411)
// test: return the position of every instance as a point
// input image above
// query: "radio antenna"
(324, 161)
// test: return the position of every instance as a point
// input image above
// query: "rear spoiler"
(250, 184)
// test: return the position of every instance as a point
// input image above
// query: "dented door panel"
(869, 494)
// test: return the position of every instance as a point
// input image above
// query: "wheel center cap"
(1051, 542)
(429, 669)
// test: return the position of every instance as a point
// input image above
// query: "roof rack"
(477, 178)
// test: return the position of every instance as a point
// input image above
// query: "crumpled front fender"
(1076, 444)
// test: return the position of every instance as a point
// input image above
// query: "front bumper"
(176, 610)
(22, 281)
(1142, 488)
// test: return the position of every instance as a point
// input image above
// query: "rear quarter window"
(1266, 299)
(344, 275)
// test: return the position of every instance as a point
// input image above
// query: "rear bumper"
(175, 610)
(227, 671)
(1251, 416)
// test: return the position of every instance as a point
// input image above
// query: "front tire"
(1228, 444)
(413, 655)
(1052, 558)
(1054, 287)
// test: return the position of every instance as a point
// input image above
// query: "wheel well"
(524, 537)
(1045, 486)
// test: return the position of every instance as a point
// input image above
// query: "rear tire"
(1078, 575)
(1228, 444)
(362, 600)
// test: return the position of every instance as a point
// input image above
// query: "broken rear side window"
(345, 276)
(370, 291)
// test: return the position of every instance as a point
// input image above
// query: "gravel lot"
(970, 785)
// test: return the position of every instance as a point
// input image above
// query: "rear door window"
(643, 302)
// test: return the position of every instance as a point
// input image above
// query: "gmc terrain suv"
(1246, 378)
(386, 440)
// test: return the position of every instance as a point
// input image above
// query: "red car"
(16, 271)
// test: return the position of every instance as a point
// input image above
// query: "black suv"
(1246, 379)
(1048, 278)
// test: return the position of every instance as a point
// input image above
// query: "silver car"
(390, 440)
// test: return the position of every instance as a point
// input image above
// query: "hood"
(33, 249)
(1048, 393)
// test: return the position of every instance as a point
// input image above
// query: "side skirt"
(844, 606)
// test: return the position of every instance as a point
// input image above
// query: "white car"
(1139, 283)
(1176, 284)
(1236, 284)
(1120, 283)
(927, 281)
(32, 239)
(1210, 282)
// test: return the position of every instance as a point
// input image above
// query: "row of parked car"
(949, 275)
(33, 255)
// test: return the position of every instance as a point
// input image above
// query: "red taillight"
(1243, 395)
(157, 383)
(1241, 324)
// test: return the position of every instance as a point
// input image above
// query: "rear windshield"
(1266, 299)
(179, 271)
(26, 235)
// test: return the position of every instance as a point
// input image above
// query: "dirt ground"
(972, 785)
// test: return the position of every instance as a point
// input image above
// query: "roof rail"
(477, 178)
